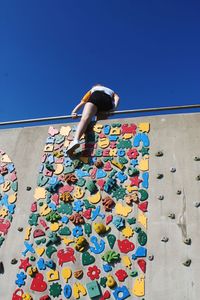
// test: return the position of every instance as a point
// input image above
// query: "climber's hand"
(74, 115)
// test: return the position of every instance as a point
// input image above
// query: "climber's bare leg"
(89, 111)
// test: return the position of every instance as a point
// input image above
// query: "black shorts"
(102, 101)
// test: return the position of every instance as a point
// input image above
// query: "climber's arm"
(116, 100)
(83, 101)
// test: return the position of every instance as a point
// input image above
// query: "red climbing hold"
(4, 226)
(125, 246)
(142, 265)
(66, 256)
(121, 275)
(143, 206)
(24, 264)
(38, 284)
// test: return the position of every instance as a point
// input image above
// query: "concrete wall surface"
(173, 262)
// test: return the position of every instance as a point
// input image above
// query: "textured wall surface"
(172, 221)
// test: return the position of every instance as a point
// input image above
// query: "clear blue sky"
(52, 51)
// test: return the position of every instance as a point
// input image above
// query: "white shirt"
(102, 89)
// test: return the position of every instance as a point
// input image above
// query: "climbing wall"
(86, 232)
(43, 213)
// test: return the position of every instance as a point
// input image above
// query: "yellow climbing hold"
(117, 164)
(5, 158)
(67, 241)
(127, 136)
(65, 130)
(97, 128)
(59, 169)
(95, 198)
(66, 274)
(12, 198)
(144, 127)
(3, 212)
(144, 163)
(115, 131)
(122, 210)
(78, 289)
(44, 210)
(113, 152)
(48, 148)
(27, 297)
(6, 186)
(142, 219)
(130, 188)
(27, 233)
(78, 192)
(104, 142)
(110, 281)
(53, 275)
(55, 226)
(40, 193)
(127, 232)
(138, 287)
(39, 250)
(126, 262)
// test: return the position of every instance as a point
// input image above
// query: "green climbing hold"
(77, 164)
(103, 281)
(87, 259)
(1, 240)
(53, 239)
(108, 158)
(64, 231)
(111, 240)
(143, 195)
(142, 238)
(93, 289)
(134, 273)
(144, 151)
(42, 241)
(88, 204)
(119, 193)
(80, 182)
(50, 250)
(55, 289)
(33, 219)
(32, 258)
(112, 173)
(137, 229)
(116, 125)
(68, 170)
(65, 208)
(10, 218)
(88, 229)
(91, 186)
(59, 139)
(42, 180)
(131, 221)
(133, 171)
(53, 217)
(49, 167)
(111, 256)
(123, 160)
(14, 186)
(87, 168)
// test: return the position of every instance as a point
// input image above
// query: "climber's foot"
(73, 146)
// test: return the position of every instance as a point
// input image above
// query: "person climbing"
(98, 100)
